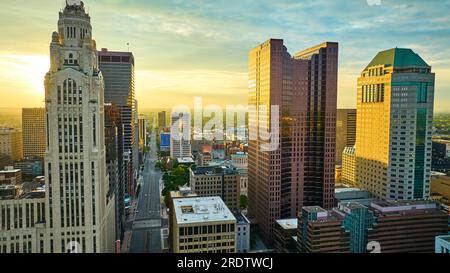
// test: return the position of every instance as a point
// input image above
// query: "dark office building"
(118, 72)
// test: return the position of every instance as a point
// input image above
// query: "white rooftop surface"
(288, 223)
(203, 210)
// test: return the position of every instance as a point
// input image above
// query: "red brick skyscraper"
(301, 170)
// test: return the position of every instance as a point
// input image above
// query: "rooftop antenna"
(128, 45)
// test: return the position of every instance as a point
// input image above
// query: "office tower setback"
(394, 125)
(345, 131)
(77, 206)
(301, 171)
(33, 132)
(202, 225)
(118, 72)
(11, 144)
(180, 140)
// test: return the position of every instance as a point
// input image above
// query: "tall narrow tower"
(77, 207)
(394, 125)
(301, 171)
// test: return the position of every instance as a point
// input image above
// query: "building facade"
(33, 132)
(223, 181)
(442, 244)
(202, 225)
(11, 144)
(285, 230)
(301, 171)
(440, 159)
(345, 131)
(242, 233)
(394, 125)
(180, 138)
(118, 72)
(77, 208)
(321, 231)
(349, 167)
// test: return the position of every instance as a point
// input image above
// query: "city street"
(146, 228)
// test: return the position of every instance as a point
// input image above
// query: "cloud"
(203, 45)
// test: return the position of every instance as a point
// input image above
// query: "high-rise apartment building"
(11, 144)
(394, 125)
(78, 209)
(118, 73)
(202, 225)
(301, 170)
(33, 132)
(345, 131)
(180, 139)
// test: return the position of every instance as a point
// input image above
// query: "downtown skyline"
(185, 50)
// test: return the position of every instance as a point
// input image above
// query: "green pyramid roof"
(398, 57)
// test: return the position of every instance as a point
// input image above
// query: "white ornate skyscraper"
(77, 209)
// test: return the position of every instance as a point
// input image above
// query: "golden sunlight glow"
(24, 71)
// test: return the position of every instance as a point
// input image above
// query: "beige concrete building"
(394, 126)
(349, 167)
(202, 225)
(11, 143)
(223, 181)
(22, 226)
(10, 176)
(440, 189)
(33, 131)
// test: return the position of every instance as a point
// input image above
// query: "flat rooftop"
(241, 219)
(445, 238)
(185, 160)
(215, 170)
(201, 210)
(10, 171)
(404, 206)
(288, 223)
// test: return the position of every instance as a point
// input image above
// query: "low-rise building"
(442, 244)
(321, 231)
(284, 230)
(34, 167)
(243, 233)
(407, 226)
(10, 176)
(440, 189)
(202, 225)
(223, 181)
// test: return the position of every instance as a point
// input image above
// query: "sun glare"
(25, 71)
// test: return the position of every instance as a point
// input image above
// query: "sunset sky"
(187, 48)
